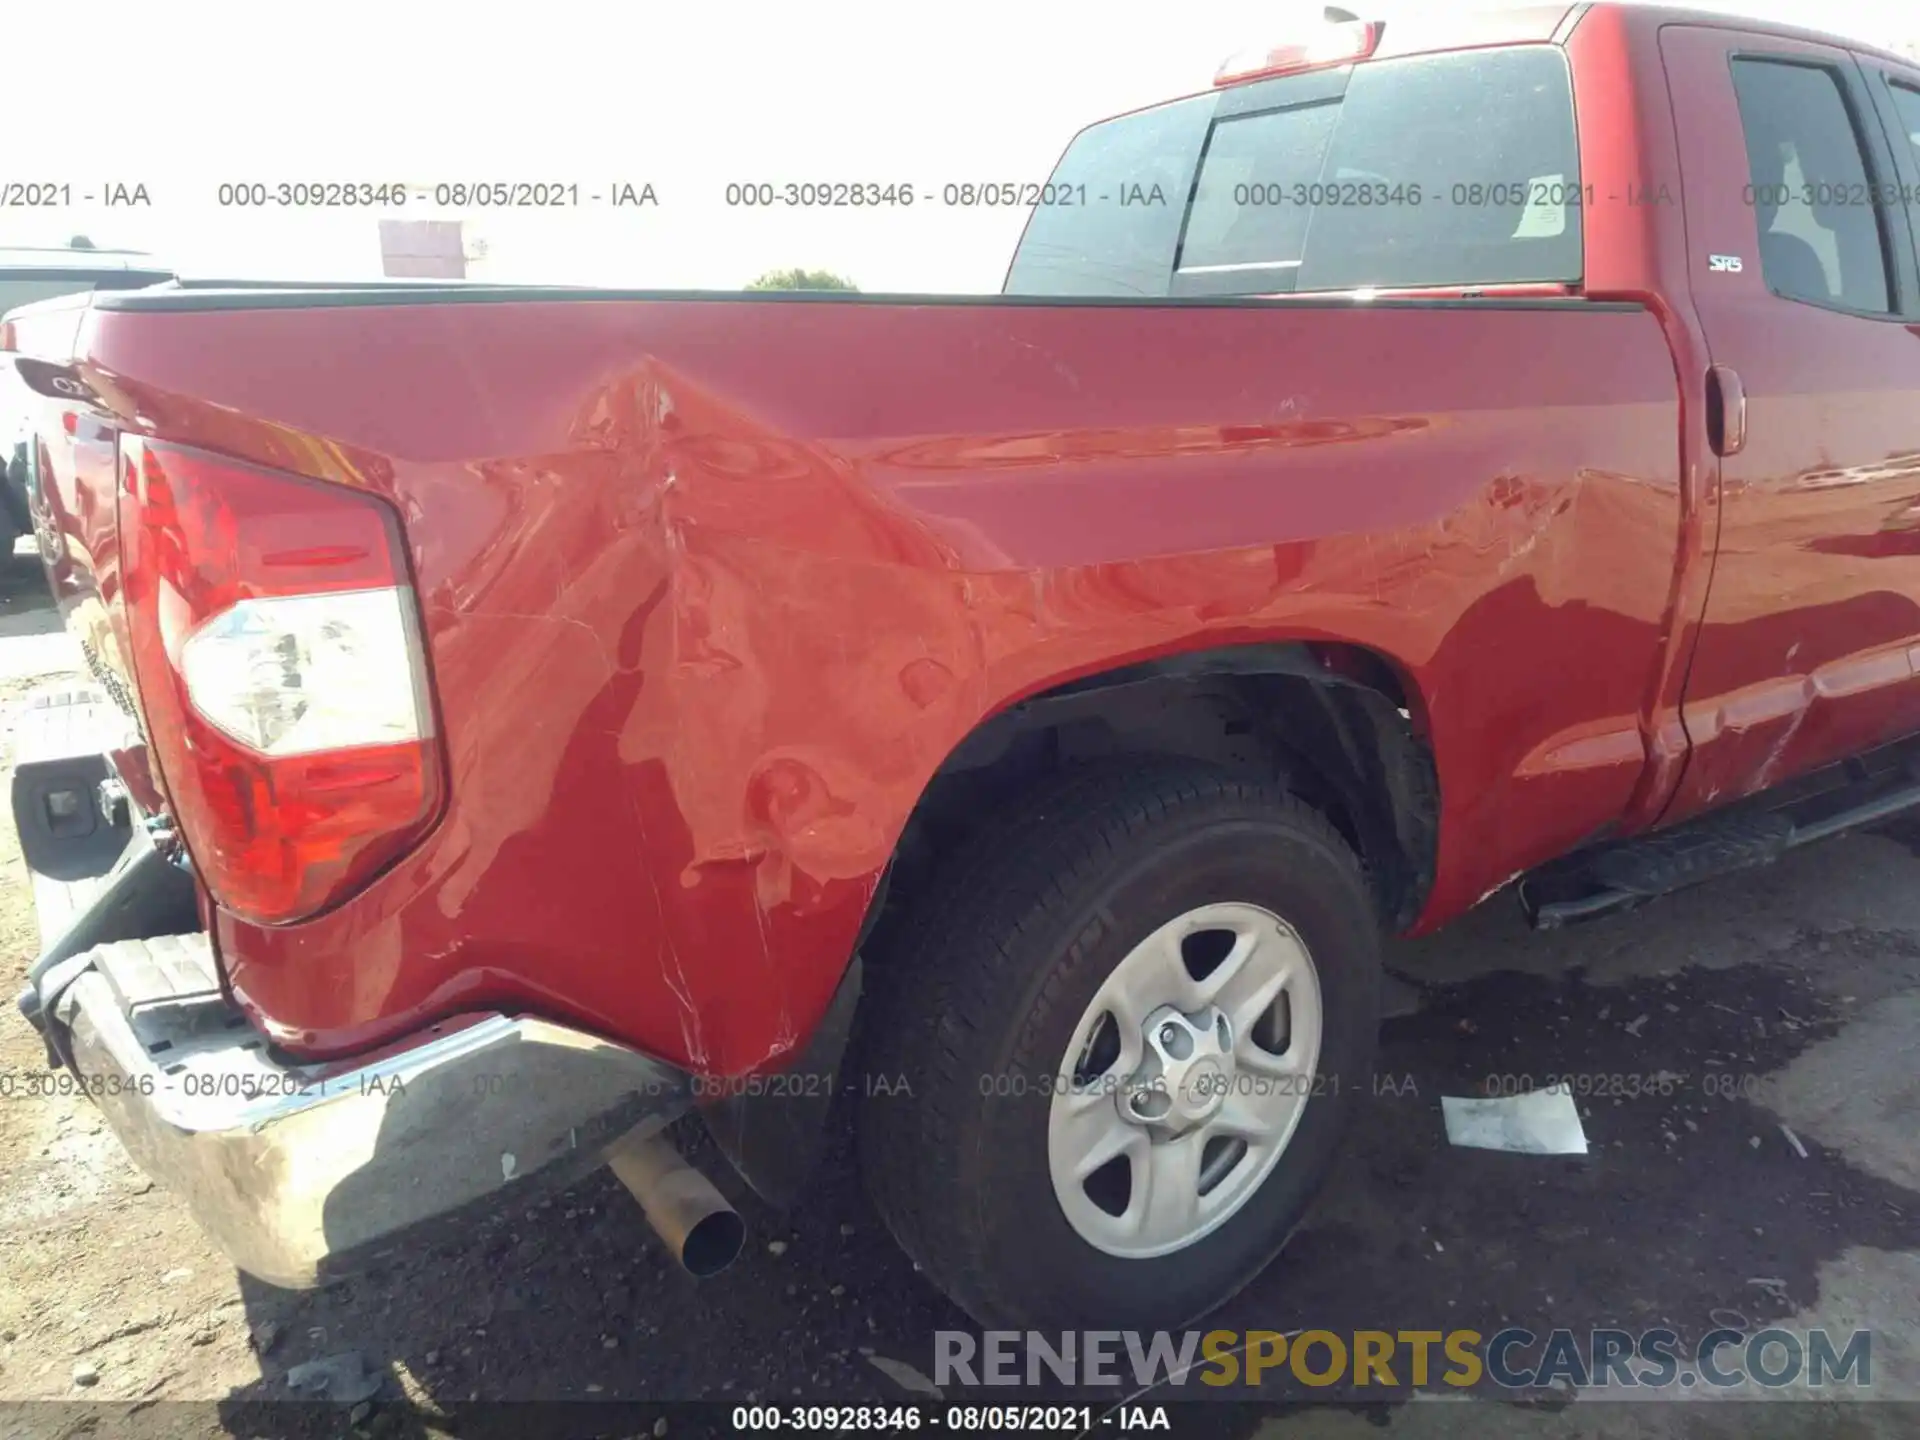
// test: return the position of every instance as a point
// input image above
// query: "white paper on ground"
(1540, 1122)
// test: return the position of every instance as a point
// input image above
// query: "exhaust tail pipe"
(701, 1230)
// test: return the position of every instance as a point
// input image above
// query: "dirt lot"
(1695, 1208)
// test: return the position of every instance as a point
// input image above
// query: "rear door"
(1803, 274)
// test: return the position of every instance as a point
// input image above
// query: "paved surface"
(1694, 1208)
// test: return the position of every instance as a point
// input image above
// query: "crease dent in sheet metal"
(787, 742)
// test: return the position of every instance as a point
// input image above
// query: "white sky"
(687, 95)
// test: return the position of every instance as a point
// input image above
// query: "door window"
(1906, 108)
(1821, 237)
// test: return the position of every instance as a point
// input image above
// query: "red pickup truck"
(1443, 453)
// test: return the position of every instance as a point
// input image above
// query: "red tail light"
(278, 654)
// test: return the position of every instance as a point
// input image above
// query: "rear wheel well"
(1335, 723)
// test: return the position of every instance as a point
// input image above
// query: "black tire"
(990, 976)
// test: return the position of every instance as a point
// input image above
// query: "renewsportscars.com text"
(1514, 1358)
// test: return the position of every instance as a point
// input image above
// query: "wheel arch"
(1345, 725)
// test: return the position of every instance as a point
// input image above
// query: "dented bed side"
(706, 613)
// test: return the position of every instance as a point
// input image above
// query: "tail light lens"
(277, 649)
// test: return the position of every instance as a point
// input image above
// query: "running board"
(1614, 878)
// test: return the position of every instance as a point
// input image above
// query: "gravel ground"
(1692, 1210)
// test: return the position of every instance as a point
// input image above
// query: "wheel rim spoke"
(1254, 943)
(1119, 1006)
(1162, 972)
(1090, 1133)
(1246, 1016)
(1303, 1041)
(1171, 1179)
(1125, 996)
(1244, 1118)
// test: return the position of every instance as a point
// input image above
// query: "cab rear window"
(1432, 170)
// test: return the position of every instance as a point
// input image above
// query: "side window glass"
(1243, 211)
(1906, 105)
(1820, 236)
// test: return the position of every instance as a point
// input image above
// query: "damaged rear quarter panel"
(712, 587)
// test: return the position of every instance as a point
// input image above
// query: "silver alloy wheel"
(1184, 1080)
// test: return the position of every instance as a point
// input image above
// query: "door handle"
(1726, 410)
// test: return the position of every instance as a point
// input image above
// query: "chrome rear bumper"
(293, 1168)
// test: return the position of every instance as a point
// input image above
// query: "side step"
(1623, 876)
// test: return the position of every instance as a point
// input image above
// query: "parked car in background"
(31, 273)
(28, 275)
(1475, 449)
